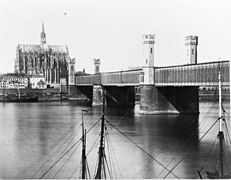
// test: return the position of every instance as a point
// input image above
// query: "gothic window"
(72, 68)
(192, 51)
(151, 50)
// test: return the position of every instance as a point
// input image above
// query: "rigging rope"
(88, 170)
(57, 150)
(191, 137)
(93, 126)
(141, 149)
(74, 171)
(215, 159)
(104, 170)
(210, 151)
(93, 144)
(209, 129)
(206, 116)
(227, 153)
(142, 168)
(113, 152)
(182, 147)
(96, 167)
(60, 158)
(65, 163)
(227, 132)
(228, 156)
(108, 151)
(107, 167)
(62, 137)
(67, 151)
(185, 156)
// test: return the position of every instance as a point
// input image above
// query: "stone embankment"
(50, 94)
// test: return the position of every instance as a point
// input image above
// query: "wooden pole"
(101, 148)
(220, 134)
(83, 149)
(230, 99)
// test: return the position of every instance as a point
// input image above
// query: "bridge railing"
(130, 77)
(204, 74)
(88, 80)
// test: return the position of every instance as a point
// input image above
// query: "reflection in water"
(33, 137)
(167, 138)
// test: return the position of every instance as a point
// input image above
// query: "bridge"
(203, 74)
(170, 89)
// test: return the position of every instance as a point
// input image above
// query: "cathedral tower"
(43, 35)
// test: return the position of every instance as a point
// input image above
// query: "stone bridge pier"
(166, 99)
(72, 89)
(163, 100)
(116, 96)
(82, 92)
(120, 97)
(97, 95)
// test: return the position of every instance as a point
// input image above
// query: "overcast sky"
(112, 29)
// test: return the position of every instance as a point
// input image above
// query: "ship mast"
(3, 91)
(101, 148)
(220, 134)
(84, 164)
(18, 93)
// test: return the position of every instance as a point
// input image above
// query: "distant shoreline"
(51, 94)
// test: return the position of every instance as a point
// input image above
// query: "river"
(37, 140)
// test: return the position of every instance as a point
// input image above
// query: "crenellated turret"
(191, 42)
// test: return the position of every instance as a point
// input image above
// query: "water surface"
(37, 140)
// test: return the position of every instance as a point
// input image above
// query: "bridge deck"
(203, 74)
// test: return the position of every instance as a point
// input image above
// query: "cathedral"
(50, 61)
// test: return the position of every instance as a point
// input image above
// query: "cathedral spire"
(43, 28)
(43, 35)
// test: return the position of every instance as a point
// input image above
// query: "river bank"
(54, 94)
(42, 94)
(213, 95)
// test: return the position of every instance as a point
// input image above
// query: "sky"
(112, 30)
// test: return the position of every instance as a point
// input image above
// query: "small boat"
(17, 98)
(80, 101)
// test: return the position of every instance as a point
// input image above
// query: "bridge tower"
(168, 99)
(97, 89)
(191, 42)
(148, 49)
(71, 74)
(97, 65)
(148, 54)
